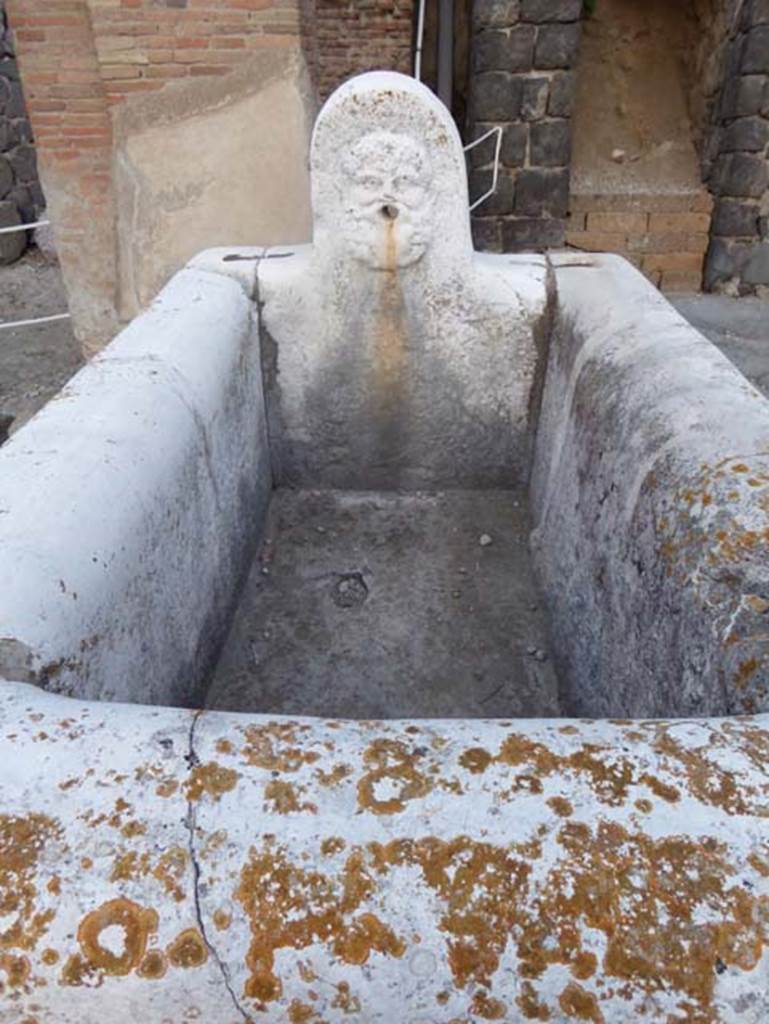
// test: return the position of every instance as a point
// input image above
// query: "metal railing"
(6, 325)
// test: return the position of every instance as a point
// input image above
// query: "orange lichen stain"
(290, 907)
(284, 799)
(22, 840)
(760, 864)
(274, 747)
(745, 670)
(332, 845)
(224, 746)
(560, 806)
(170, 870)
(154, 965)
(475, 760)
(133, 828)
(212, 779)
(645, 806)
(69, 783)
(669, 793)
(167, 788)
(49, 957)
(54, 885)
(16, 968)
(136, 923)
(442, 998)
(188, 949)
(335, 776)
(529, 1004)
(392, 767)
(576, 1002)
(222, 920)
(584, 965)
(344, 1001)
(490, 1009)
(86, 863)
(301, 1013)
(128, 866)
(740, 467)
(569, 730)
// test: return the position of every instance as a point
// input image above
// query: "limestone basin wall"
(166, 864)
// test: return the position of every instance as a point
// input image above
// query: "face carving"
(385, 194)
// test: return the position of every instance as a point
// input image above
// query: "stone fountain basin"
(166, 863)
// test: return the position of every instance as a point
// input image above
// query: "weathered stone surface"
(542, 191)
(13, 244)
(645, 424)
(22, 197)
(749, 96)
(487, 234)
(746, 133)
(520, 234)
(513, 149)
(550, 144)
(504, 51)
(534, 98)
(9, 69)
(495, 13)
(399, 362)
(14, 104)
(756, 268)
(562, 92)
(723, 263)
(742, 174)
(497, 96)
(24, 163)
(755, 55)
(551, 10)
(557, 46)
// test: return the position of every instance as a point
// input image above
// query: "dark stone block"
(38, 197)
(14, 106)
(550, 144)
(748, 95)
(24, 163)
(483, 154)
(746, 133)
(513, 150)
(6, 177)
(540, 192)
(742, 174)
(756, 269)
(496, 96)
(9, 69)
(723, 262)
(562, 91)
(757, 12)
(501, 202)
(503, 51)
(735, 219)
(22, 197)
(551, 10)
(536, 92)
(557, 46)
(526, 233)
(495, 13)
(763, 228)
(13, 244)
(755, 55)
(487, 234)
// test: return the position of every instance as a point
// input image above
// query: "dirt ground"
(35, 361)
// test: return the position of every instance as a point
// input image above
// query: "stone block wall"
(21, 198)
(523, 56)
(353, 36)
(738, 257)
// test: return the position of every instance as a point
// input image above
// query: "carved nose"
(389, 211)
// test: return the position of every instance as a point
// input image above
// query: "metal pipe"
(24, 227)
(419, 41)
(446, 51)
(36, 320)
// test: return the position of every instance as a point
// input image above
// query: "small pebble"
(484, 540)
(540, 656)
(531, 650)
(265, 571)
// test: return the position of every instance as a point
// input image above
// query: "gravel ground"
(36, 361)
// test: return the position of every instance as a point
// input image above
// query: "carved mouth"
(389, 212)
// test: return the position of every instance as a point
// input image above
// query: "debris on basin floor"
(381, 605)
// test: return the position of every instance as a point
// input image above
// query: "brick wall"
(523, 53)
(82, 60)
(738, 257)
(361, 35)
(21, 198)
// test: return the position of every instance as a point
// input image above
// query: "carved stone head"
(388, 175)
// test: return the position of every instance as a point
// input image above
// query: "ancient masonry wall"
(523, 55)
(21, 197)
(738, 257)
(353, 36)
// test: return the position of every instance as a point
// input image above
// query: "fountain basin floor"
(389, 605)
